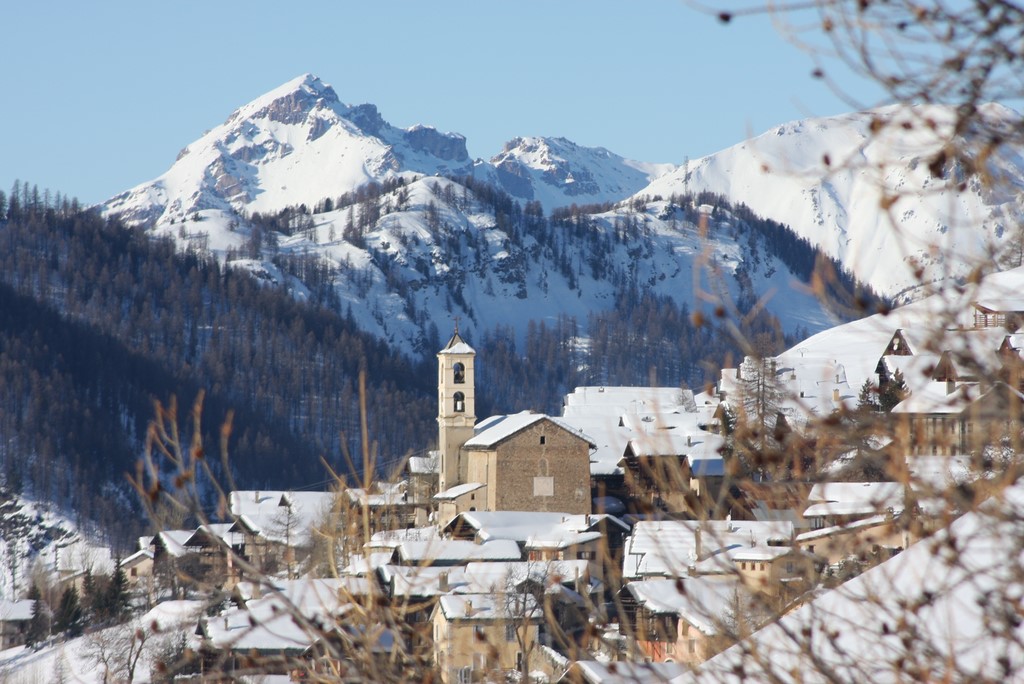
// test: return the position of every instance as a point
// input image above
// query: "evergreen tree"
(892, 392)
(117, 593)
(37, 625)
(89, 596)
(69, 615)
(866, 398)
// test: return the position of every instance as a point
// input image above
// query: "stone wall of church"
(542, 468)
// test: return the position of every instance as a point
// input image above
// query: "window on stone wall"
(459, 373)
(542, 439)
(460, 402)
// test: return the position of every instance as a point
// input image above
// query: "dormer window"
(460, 402)
(459, 373)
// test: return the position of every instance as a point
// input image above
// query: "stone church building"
(521, 462)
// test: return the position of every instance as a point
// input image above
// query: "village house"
(14, 619)
(138, 569)
(422, 474)
(840, 503)
(671, 548)
(385, 505)
(612, 416)
(477, 634)
(675, 473)
(687, 620)
(596, 539)
(868, 540)
(942, 419)
(775, 570)
(213, 548)
(273, 628)
(448, 552)
(172, 560)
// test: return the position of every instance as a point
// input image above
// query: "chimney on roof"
(256, 496)
(442, 582)
(469, 608)
(689, 440)
(835, 394)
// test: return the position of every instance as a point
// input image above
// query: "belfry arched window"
(459, 373)
(460, 402)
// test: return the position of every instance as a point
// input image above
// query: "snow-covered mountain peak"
(557, 171)
(297, 144)
(289, 103)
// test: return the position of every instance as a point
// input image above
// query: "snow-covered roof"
(703, 450)
(457, 551)
(417, 580)
(935, 398)
(456, 345)
(704, 603)
(488, 607)
(854, 498)
(138, 556)
(455, 492)
(173, 541)
(16, 611)
(212, 532)
(536, 528)
(360, 565)
(484, 578)
(425, 465)
(940, 472)
(496, 429)
(478, 577)
(388, 494)
(308, 595)
(833, 530)
(389, 539)
(668, 548)
(612, 402)
(285, 517)
(268, 624)
(609, 438)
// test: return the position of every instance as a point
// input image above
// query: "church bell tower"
(456, 411)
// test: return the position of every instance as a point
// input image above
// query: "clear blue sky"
(100, 96)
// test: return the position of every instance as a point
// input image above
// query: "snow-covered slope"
(432, 248)
(33, 535)
(826, 179)
(557, 172)
(825, 372)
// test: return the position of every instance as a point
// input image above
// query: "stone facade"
(543, 467)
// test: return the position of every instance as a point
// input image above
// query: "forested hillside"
(98, 321)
